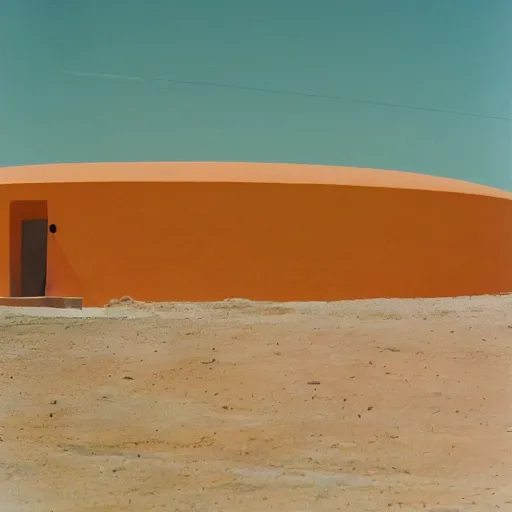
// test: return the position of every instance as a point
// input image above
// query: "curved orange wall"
(283, 242)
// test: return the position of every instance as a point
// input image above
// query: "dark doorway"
(33, 257)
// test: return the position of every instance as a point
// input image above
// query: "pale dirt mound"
(227, 305)
(124, 301)
(239, 406)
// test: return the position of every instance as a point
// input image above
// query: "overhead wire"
(289, 93)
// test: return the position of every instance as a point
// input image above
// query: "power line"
(287, 93)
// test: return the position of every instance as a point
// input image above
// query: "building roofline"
(237, 172)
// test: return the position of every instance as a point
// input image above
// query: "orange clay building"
(211, 231)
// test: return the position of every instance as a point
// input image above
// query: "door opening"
(33, 257)
(28, 248)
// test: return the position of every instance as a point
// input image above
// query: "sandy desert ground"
(387, 405)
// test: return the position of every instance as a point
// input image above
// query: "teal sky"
(416, 85)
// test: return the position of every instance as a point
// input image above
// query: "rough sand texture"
(239, 406)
